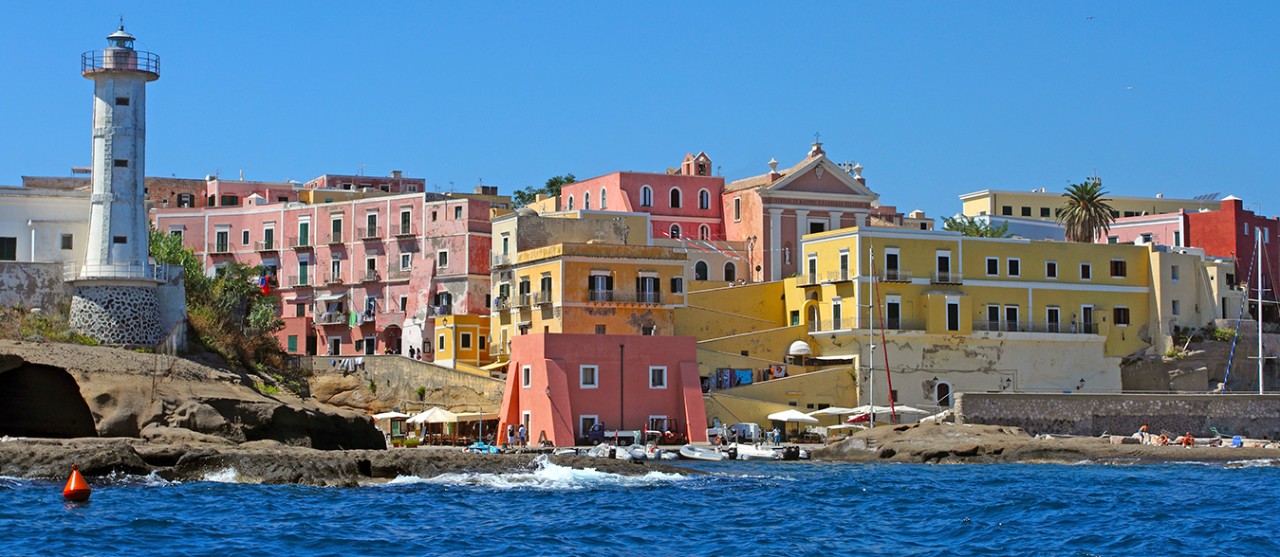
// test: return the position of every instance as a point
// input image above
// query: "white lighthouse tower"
(114, 299)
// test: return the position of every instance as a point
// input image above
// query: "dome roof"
(799, 348)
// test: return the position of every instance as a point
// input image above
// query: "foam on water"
(226, 475)
(546, 476)
(1254, 463)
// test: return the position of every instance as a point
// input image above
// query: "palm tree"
(1085, 212)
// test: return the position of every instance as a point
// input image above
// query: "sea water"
(739, 508)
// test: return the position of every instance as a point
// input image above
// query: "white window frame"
(582, 376)
(1009, 264)
(1126, 308)
(406, 261)
(993, 262)
(442, 259)
(464, 341)
(586, 201)
(440, 343)
(737, 209)
(664, 377)
(1048, 276)
(646, 196)
(1088, 266)
(678, 196)
(583, 428)
(1111, 268)
(526, 377)
(675, 232)
(704, 199)
(603, 200)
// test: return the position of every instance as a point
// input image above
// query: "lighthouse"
(114, 290)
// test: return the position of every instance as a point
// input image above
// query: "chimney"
(397, 173)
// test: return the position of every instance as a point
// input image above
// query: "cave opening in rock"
(43, 401)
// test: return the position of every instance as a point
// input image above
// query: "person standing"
(511, 432)
(523, 435)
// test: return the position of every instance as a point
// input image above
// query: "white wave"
(1253, 463)
(154, 480)
(226, 475)
(547, 475)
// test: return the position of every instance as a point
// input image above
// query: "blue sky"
(934, 99)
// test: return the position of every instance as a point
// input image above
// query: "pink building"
(559, 385)
(395, 183)
(363, 276)
(681, 204)
(229, 193)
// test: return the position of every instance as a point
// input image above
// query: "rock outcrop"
(64, 390)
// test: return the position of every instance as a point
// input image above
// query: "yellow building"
(1043, 205)
(462, 340)
(1189, 291)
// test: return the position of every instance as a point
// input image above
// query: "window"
(406, 221)
(119, 239)
(67, 241)
(1007, 210)
(186, 200)
(675, 231)
(892, 312)
(483, 343)
(1120, 315)
(570, 206)
(8, 249)
(943, 258)
(1177, 238)
(586, 201)
(953, 314)
(299, 310)
(440, 345)
(603, 203)
(229, 200)
(601, 329)
(442, 259)
(404, 305)
(1044, 212)
(704, 199)
(1113, 239)
(1119, 268)
(544, 285)
(526, 376)
(406, 261)
(836, 311)
(464, 340)
(1176, 307)
(700, 270)
(677, 285)
(646, 196)
(1086, 271)
(457, 212)
(737, 209)
(1015, 267)
(1051, 269)
(704, 232)
(1026, 211)
(1052, 316)
(1173, 273)
(942, 393)
(588, 376)
(730, 272)
(993, 266)
(1011, 318)
(675, 198)
(657, 377)
(795, 318)
(434, 215)
(1146, 237)
(124, 163)
(585, 423)
(244, 237)
(293, 343)
(122, 101)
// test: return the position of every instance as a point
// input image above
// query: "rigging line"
(1235, 339)
(875, 294)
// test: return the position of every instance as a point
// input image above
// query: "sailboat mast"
(1257, 250)
(871, 342)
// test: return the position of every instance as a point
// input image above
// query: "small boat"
(482, 447)
(752, 452)
(566, 452)
(606, 450)
(702, 453)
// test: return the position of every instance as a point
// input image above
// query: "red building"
(559, 385)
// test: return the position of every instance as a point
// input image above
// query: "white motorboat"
(753, 452)
(606, 450)
(702, 453)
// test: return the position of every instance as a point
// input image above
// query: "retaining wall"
(32, 285)
(1256, 416)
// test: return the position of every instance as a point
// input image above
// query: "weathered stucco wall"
(1256, 416)
(32, 285)
(397, 379)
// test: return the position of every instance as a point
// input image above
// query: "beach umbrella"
(390, 416)
(832, 411)
(436, 415)
(792, 417)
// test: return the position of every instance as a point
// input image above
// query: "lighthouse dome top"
(120, 39)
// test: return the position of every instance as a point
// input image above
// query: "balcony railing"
(501, 259)
(542, 298)
(333, 238)
(117, 59)
(219, 247)
(333, 278)
(398, 274)
(332, 318)
(404, 230)
(895, 275)
(440, 310)
(296, 281)
(265, 245)
(147, 271)
(946, 277)
(1031, 327)
(370, 233)
(808, 279)
(296, 242)
(626, 297)
(841, 275)
(524, 300)
(370, 275)
(890, 324)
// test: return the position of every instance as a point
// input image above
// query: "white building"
(43, 225)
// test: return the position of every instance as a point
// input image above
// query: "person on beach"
(1143, 435)
(1188, 441)
(523, 432)
(511, 431)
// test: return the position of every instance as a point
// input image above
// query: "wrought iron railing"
(371, 275)
(296, 242)
(895, 275)
(265, 245)
(542, 298)
(370, 233)
(146, 271)
(296, 281)
(219, 247)
(116, 60)
(404, 230)
(841, 275)
(626, 297)
(334, 238)
(398, 274)
(947, 277)
(332, 318)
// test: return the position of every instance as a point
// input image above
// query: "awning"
(831, 358)
(330, 297)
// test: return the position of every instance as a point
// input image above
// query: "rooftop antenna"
(361, 170)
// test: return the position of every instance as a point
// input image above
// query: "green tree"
(970, 226)
(551, 188)
(1085, 211)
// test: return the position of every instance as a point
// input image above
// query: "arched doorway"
(730, 272)
(942, 393)
(814, 317)
(700, 270)
(391, 339)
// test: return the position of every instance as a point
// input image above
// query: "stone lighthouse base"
(117, 314)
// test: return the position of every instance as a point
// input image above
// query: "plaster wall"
(1256, 416)
(33, 285)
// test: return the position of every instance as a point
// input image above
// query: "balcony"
(946, 277)
(890, 324)
(1030, 327)
(404, 230)
(220, 247)
(501, 304)
(296, 281)
(299, 243)
(333, 278)
(334, 238)
(524, 300)
(440, 310)
(841, 275)
(625, 297)
(808, 279)
(895, 275)
(332, 318)
(398, 274)
(542, 298)
(370, 233)
(370, 275)
(501, 259)
(266, 245)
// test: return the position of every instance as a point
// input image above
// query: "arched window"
(675, 231)
(646, 196)
(586, 201)
(675, 198)
(704, 199)
(570, 202)
(730, 272)
(814, 318)
(942, 393)
(700, 270)
(704, 232)
(602, 201)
